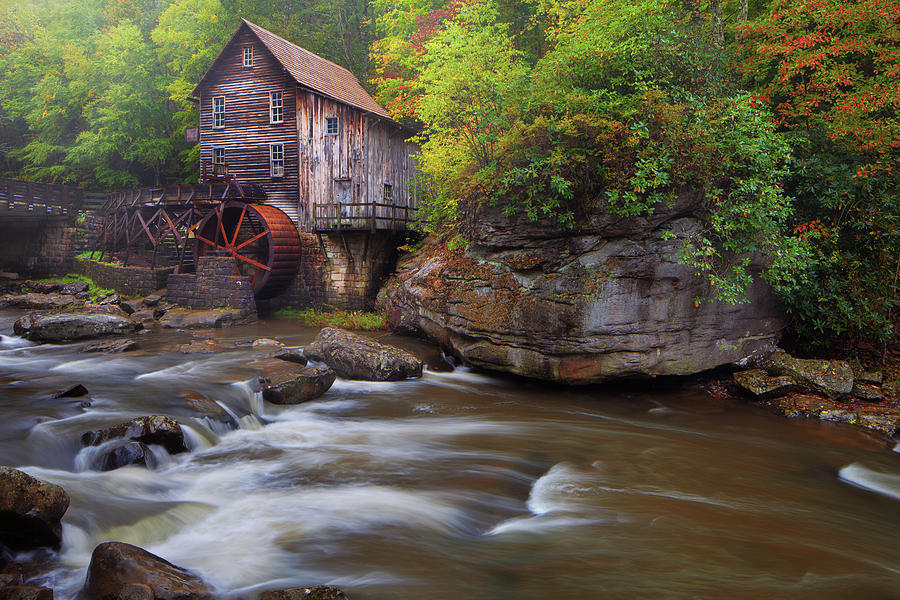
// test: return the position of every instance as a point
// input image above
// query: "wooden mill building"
(304, 130)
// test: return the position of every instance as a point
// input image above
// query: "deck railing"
(28, 196)
(362, 216)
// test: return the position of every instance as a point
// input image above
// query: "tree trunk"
(718, 30)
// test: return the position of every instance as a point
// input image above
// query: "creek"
(455, 485)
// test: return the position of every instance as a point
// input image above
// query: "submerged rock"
(72, 326)
(357, 357)
(30, 510)
(183, 318)
(154, 429)
(318, 592)
(283, 383)
(111, 347)
(76, 391)
(578, 307)
(25, 592)
(131, 453)
(118, 569)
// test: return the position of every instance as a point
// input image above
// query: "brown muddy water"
(457, 485)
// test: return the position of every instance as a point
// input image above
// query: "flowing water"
(456, 485)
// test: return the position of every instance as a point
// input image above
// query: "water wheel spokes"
(262, 240)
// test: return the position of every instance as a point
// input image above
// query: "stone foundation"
(128, 281)
(213, 286)
(340, 270)
(38, 250)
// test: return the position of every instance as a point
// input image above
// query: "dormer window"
(248, 57)
(276, 107)
(331, 126)
(218, 112)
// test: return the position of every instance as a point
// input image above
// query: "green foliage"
(94, 290)
(358, 320)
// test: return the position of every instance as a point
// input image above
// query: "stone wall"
(213, 286)
(128, 281)
(340, 270)
(39, 249)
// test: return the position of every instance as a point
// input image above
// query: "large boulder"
(358, 357)
(286, 383)
(118, 570)
(833, 378)
(153, 429)
(579, 308)
(30, 510)
(72, 326)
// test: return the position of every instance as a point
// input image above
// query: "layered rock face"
(605, 302)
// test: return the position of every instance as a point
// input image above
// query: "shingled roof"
(311, 71)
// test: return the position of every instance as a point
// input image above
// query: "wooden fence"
(362, 216)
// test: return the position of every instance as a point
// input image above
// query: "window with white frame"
(218, 156)
(331, 126)
(276, 159)
(218, 112)
(248, 57)
(276, 107)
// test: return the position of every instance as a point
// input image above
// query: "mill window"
(276, 108)
(331, 126)
(218, 112)
(276, 159)
(248, 57)
(388, 193)
(219, 156)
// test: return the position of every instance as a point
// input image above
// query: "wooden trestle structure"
(158, 219)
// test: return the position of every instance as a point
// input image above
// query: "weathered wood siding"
(329, 164)
(247, 133)
(391, 159)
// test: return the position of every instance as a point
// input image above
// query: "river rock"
(578, 308)
(72, 326)
(30, 510)
(154, 298)
(154, 429)
(266, 344)
(76, 391)
(870, 377)
(283, 383)
(357, 357)
(144, 317)
(834, 378)
(203, 407)
(759, 383)
(75, 287)
(25, 592)
(131, 306)
(184, 318)
(319, 592)
(867, 391)
(37, 301)
(111, 347)
(131, 453)
(115, 568)
(203, 346)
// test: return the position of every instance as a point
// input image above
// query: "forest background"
(783, 114)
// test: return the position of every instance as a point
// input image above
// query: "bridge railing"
(40, 197)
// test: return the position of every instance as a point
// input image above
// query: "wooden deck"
(369, 216)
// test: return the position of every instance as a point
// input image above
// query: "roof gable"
(309, 70)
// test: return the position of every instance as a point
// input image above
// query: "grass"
(93, 289)
(316, 317)
(89, 255)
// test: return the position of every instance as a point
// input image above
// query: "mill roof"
(309, 70)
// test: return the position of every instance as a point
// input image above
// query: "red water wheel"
(262, 239)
